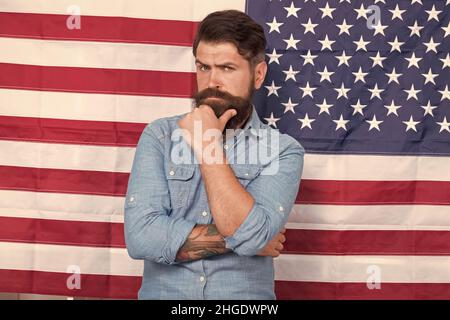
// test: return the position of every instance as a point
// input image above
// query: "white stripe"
(54, 258)
(95, 107)
(395, 269)
(97, 55)
(403, 269)
(376, 168)
(74, 207)
(386, 217)
(188, 10)
(66, 156)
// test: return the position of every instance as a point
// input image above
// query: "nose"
(214, 81)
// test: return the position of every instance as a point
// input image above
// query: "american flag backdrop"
(368, 98)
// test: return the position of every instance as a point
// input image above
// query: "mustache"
(229, 101)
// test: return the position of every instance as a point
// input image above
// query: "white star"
(444, 125)
(393, 76)
(431, 46)
(412, 93)
(289, 106)
(344, 28)
(324, 107)
(378, 60)
(327, 11)
(397, 13)
(359, 76)
(291, 42)
(417, 1)
(429, 77)
(411, 124)
(341, 123)
(274, 25)
(290, 74)
(361, 44)
(392, 109)
(274, 56)
(446, 29)
(429, 109)
(413, 61)
(382, 1)
(445, 93)
(446, 61)
(395, 45)
(272, 121)
(343, 59)
(307, 90)
(358, 108)
(376, 92)
(306, 122)
(309, 58)
(342, 91)
(362, 12)
(379, 28)
(374, 123)
(341, 1)
(309, 27)
(292, 10)
(273, 89)
(433, 14)
(415, 29)
(326, 43)
(325, 75)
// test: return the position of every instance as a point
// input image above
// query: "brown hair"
(235, 27)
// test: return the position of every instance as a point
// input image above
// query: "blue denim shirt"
(166, 199)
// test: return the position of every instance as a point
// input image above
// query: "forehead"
(218, 52)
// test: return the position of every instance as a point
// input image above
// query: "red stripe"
(63, 181)
(106, 234)
(55, 283)
(97, 80)
(367, 242)
(352, 192)
(126, 287)
(70, 131)
(76, 233)
(95, 28)
(296, 290)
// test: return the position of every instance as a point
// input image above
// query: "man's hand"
(211, 127)
(275, 245)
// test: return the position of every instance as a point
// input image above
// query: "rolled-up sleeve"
(150, 232)
(274, 194)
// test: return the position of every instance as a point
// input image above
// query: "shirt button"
(171, 173)
(225, 147)
(204, 213)
(202, 279)
(246, 174)
(281, 209)
(131, 199)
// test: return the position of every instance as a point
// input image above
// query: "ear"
(260, 74)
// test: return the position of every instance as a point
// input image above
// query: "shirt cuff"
(181, 230)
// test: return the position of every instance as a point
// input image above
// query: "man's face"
(225, 80)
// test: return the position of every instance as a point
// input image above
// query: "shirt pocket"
(179, 178)
(245, 173)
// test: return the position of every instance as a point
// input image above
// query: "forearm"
(204, 241)
(229, 202)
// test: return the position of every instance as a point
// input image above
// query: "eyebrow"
(225, 64)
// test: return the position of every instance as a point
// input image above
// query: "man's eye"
(203, 68)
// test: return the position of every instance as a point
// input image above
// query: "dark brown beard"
(226, 101)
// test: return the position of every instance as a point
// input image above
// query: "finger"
(282, 239)
(226, 116)
(284, 230)
(280, 246)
